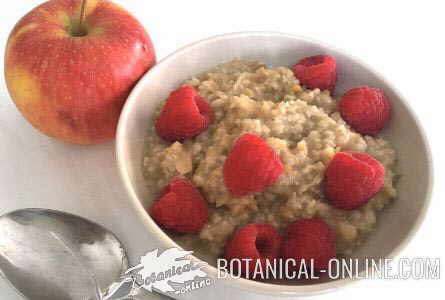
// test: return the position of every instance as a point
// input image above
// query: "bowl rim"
(241, 283)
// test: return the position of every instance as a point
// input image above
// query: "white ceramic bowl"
(396, 224)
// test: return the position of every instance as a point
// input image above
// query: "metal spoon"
(52, 255)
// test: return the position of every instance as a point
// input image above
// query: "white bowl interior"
(396, 224)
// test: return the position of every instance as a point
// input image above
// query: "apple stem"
(81, 29)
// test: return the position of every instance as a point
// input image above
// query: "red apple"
(70, 78)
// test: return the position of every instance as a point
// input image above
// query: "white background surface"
(405, 42)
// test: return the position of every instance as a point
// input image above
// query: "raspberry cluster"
(252, 165)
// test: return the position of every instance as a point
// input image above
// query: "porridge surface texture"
(303, 127)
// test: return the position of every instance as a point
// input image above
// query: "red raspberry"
(309, 239)
(367, 110)
(259, 242)
(318, 71)
(352, 178)
(251, 166)
(180, 207)
(184, 116)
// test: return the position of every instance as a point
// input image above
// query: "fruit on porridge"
(180, 196)
(309, 239)
(365, 109)
(184, 115)
(250, 154)
(270, 152)
(317, 72)
(352, 179)
(255, 242)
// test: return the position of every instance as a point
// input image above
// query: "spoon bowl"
(52, 255)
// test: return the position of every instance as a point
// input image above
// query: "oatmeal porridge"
(304, 128)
